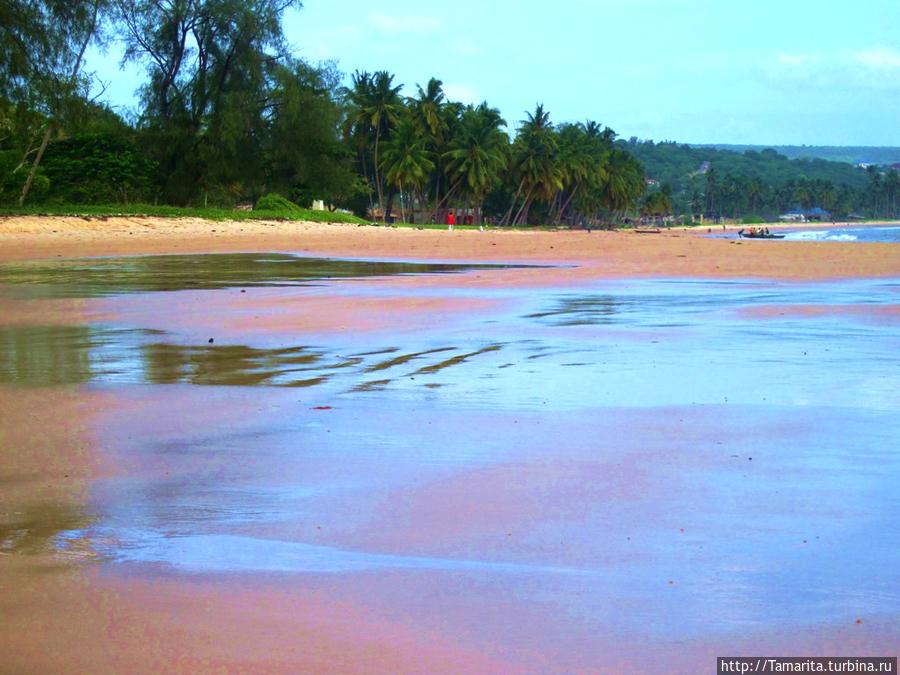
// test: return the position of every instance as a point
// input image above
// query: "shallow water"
(93, 277)
(672, 458)
(863, 234)
(888, 234)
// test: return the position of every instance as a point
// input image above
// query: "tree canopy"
(228, 114)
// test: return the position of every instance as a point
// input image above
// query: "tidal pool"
(93, 277)
(659, 461)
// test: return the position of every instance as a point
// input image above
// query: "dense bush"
(99, 169)
(275, 202)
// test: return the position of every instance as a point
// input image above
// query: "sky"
(768, 72)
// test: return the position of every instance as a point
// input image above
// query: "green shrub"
(752, 220)
(275, 202)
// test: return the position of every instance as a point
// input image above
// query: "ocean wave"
(819, 235)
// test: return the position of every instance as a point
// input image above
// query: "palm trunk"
(378, 187)
(524, 210)
(555, 208)
(565, 206)
(365, 167)
(445, 199)
(512, 205)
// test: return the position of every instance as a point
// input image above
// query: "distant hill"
(743, 180)
(681, 164)
(849, 154)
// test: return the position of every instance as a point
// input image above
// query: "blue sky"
(702, 71)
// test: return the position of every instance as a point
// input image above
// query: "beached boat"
(759, 235)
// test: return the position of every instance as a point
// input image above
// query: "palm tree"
(406, 160)
(375, 109)
(436, 117)
(756, 193)
(625, 182)
(583, 156)
(477, 154)
(712, 190)
(426, 110)
(535, 162)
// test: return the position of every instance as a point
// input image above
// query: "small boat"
(647, 230)
(758, 234)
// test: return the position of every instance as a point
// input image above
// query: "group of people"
(754, 232)
(467, 219)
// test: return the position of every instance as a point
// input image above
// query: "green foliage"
(12, 178)
(478, 154)
(217, 214)
(207, 99)
(304, 156)
(374, 110)
(99, 169)
(275, 202)
(847, 154)
(721, 182)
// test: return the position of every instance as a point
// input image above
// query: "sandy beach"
(624, 485)
(599, 254)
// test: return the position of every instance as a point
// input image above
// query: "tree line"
(227, 115)
(763, 184)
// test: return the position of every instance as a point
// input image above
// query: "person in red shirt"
(451, 220)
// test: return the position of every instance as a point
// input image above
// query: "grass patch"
(295, 213)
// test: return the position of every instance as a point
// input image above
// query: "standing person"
(451, 219)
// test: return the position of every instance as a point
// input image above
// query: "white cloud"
(839, 71)
(404, 24)
(881, 58)
(462, 93)
(795, 59)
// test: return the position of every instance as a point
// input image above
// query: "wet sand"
(465, 526)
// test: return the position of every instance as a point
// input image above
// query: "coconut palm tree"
(625, 182)
(426, 110)
(477, 154)
(535, 162)
(375, 109)
(406, 160)
(583, 156)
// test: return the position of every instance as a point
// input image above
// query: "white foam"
(807, 235)
(819, 235)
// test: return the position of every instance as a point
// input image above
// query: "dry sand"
(676, 252)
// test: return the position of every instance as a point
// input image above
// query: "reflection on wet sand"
(596, 478)
(38, 356)
(48, 461)
(46, 355)
(35, 528)
(95, 277)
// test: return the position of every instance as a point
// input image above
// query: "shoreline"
(597, 255)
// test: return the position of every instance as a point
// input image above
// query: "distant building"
(817, 214)
(792, 217)
(797, 216)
